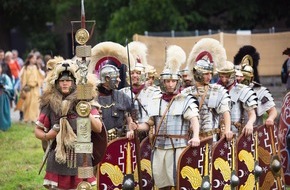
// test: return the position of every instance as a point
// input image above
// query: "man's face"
(170, 85)
(207, 78)
(65, 86)
(135, 76)
(224, 78)
(150, 81)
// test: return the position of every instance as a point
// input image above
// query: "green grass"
(20, 160)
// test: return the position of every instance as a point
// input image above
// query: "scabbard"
(45, 156)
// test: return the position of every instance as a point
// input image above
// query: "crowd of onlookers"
(20, 85)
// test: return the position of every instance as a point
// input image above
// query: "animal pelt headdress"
(254, 57)
(51, 95)
(208, 49)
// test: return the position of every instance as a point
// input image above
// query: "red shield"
(119, 160)
(284, 137)
(146, 169)
(222, 169)
(268, 153)
(193, 168)
(246, 162)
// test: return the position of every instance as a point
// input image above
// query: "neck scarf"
(168, 97)
(137, 89)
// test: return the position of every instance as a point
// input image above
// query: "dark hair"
(28, 59)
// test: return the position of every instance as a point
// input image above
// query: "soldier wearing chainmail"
(214, 101)
(115, 105)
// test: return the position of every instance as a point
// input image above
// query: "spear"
(136, 139)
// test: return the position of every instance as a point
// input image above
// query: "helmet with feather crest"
(109, 59)
(204, 57)
(248, 58)
(139, 52)
(175, 57)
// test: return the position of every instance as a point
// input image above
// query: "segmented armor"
(243, 98)
(174, 129)
(215, 102)
(141, 101)
(265, 102)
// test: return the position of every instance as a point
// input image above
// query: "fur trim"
(52, 76)
(54, 98)
(52, 62)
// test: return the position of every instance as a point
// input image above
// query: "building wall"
(269, 45)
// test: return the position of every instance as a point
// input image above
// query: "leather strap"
(162, 118)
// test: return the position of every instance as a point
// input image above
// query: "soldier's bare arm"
(227, 121)
(272, 114)
(194, 124)
(248, 129)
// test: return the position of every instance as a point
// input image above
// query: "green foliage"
(21, 156)
(45, 42)
(120, 19)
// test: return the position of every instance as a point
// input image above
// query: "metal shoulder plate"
(217, 94)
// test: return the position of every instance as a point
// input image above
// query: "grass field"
(20, 160)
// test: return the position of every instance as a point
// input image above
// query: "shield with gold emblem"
(193, 170)
(269, 162)
(246, 161)
(146, 169)
(118, 167)
(284, 137)
(224, 165)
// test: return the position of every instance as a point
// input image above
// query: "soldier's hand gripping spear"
(134, 115)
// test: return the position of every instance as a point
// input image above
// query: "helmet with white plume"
(139, 52)
(175, 57)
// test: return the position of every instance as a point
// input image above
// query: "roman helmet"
(150, 71)
(175, 57)
(113, 54)
(204, 57)
(111, 72)
(139, 52)
(186, 77)
(248, 55)
(227, 68)
(247, 69)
